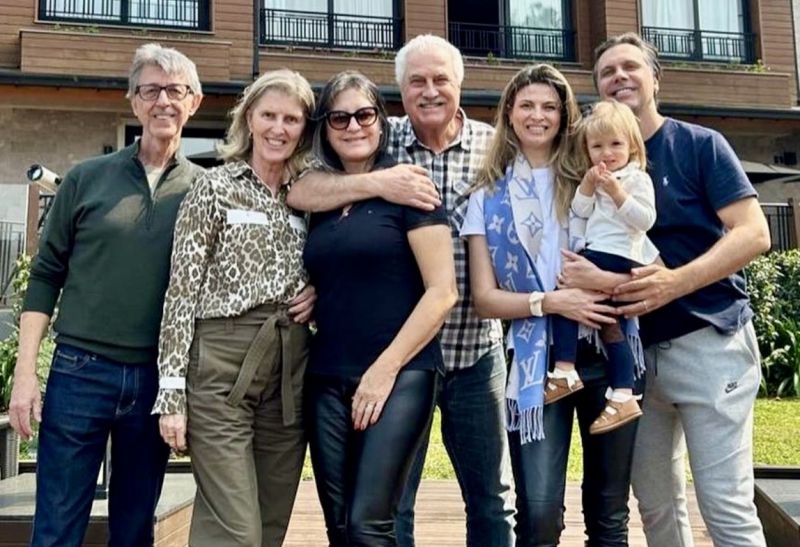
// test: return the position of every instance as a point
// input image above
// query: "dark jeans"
(89, 398)
(620, 364)
(360, 475)
(472, 402)
(540, 468)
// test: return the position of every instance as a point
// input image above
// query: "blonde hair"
(612, 118)
(505, 146)
(238, 140)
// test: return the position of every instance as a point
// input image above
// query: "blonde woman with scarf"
(517, 223)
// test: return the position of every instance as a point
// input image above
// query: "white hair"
(427, 43)
(168, 59)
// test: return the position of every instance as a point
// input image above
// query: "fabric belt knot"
(271, 342)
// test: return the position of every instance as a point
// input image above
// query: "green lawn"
(776, 432)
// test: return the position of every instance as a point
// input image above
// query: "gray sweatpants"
(700, 393)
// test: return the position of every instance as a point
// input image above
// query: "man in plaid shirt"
(436, 141)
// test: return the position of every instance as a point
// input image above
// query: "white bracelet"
(535, 300)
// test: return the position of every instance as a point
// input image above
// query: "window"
(527, 29)
(537, 27)
(357, 24)
(700, 30)
(181, 14)
(198, 144)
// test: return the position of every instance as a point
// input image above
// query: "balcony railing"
(702, 45)
(179, 14)
(12, 244)
(330, 30)
(512, 42)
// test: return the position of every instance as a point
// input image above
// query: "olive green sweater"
(106, 249)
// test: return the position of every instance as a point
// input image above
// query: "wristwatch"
(535, 300)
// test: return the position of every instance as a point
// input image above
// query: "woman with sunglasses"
(385, 282)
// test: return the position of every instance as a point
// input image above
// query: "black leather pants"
(360, 474)
(540, 469)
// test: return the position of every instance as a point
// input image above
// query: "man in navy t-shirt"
(702, 358)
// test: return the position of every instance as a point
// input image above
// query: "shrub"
(10, 346)
(774, 286)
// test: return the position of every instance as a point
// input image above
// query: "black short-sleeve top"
(367, 283)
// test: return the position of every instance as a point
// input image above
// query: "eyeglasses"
(339, 119)
(150, 92)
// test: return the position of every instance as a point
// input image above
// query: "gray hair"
(238, 142)
(427, 43)
(350, 79)
(168, 59)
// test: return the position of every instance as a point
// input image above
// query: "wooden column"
(794, 206)
(32, 221)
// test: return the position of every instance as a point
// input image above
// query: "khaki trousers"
(245, 434)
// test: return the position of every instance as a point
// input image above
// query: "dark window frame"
(502, 40)
(47, 12)
(689, 44)
(333, 30)
(134, 130)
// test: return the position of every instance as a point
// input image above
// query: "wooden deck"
(440, 518)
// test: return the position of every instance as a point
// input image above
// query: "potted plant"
(9, 440)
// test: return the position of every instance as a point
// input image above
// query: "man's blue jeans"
(89, 398)
(472, 403)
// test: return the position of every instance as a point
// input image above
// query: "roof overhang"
(469, 97)
(763, 172)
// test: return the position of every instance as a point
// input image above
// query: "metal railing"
(702, 45)
(12, 244)
(181, 14)
(331, 30)
(780, 218)
(513, 42)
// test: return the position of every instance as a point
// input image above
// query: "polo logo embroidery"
(731, 386)
(665, 182)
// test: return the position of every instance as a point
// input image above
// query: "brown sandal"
(615, 415)
(556, 389)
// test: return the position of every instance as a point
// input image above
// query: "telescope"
(43, 177)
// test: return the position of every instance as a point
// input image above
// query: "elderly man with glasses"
(105, 252)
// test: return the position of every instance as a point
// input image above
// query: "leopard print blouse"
(236, 246)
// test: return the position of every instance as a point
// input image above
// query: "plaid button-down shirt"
(465, 337)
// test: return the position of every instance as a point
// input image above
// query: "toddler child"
(617, 200)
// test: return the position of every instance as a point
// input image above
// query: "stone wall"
(55, 138)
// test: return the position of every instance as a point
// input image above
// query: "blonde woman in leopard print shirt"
(233, 345)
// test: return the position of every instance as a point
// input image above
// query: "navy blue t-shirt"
(367, 283)
(695, 173)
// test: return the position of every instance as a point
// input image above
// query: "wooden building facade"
(729, 64)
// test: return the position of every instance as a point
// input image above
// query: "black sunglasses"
(339, 119)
